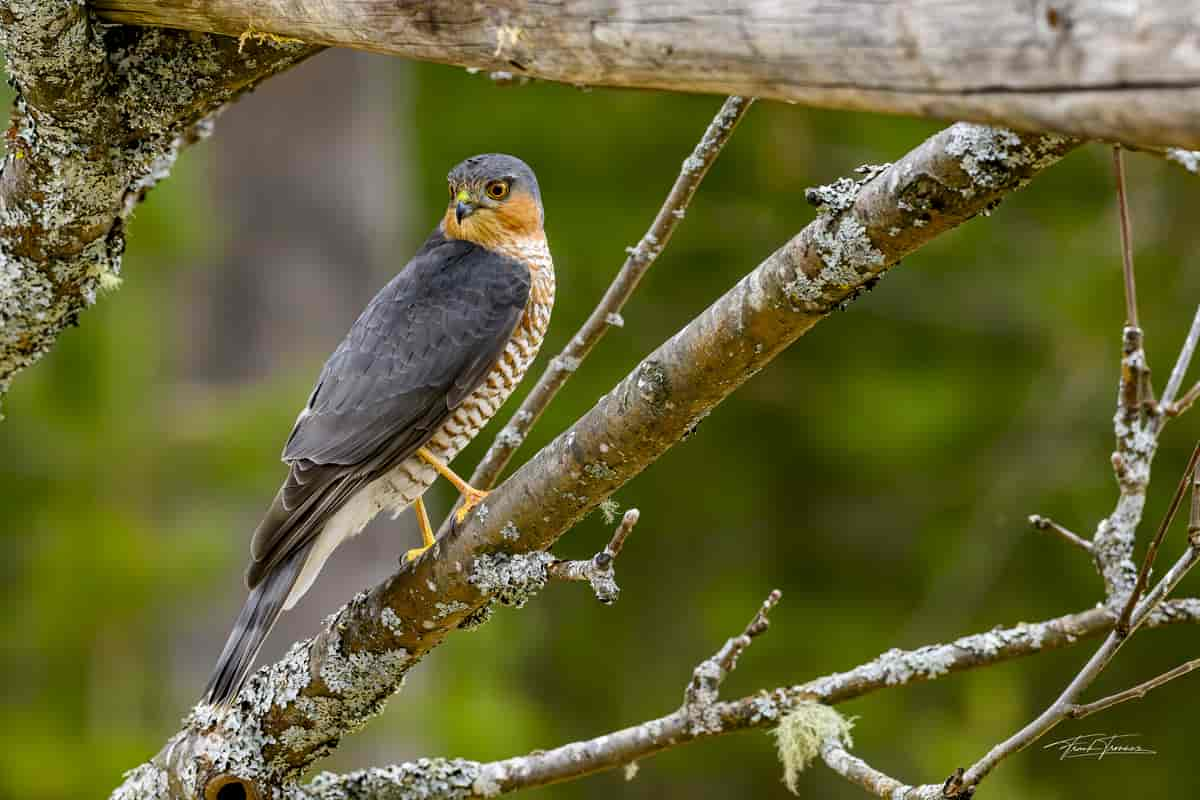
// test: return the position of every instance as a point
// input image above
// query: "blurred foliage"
(879, 472)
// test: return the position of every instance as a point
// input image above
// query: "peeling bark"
(100, 115)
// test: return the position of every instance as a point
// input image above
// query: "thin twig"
(1184, 403)
(1179, 372)
(607, 313)
(616, 748)
(1068, 699)
(1134, 693)
(1122, 626)
(702, 693)
(1131, 314)
(854, 769)
(1046, 524)
(598, 570)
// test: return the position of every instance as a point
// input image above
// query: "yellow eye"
(497, 190)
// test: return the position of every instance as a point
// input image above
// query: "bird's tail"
(255, 621)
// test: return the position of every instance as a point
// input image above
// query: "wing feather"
(421, 346)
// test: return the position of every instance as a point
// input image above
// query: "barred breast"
(411, 478)
(403, 484)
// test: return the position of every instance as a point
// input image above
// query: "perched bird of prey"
(422, 370)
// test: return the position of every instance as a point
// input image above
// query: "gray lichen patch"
(990, 156)
(391, 620)
(511, 580)
(848, 260)
(1188, 159)
(446, 609)
(442, 778)
(599, 470)
(700, 707)
(147, 782)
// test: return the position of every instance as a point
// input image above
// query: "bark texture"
(1126, 72)
(296, 710)
(101, 113)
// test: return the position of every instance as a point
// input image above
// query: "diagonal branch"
(1079, 711)
(302, 705)
(461, 778)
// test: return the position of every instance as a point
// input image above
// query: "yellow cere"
(463, 196)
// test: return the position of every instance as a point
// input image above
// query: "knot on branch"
(598, 570)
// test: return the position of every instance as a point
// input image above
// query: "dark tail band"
(255, 621)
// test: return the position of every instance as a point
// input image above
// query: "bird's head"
(494, 202)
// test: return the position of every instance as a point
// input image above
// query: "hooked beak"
(465, 206)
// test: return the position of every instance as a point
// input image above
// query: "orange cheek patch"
(520, 215)
(516, 218)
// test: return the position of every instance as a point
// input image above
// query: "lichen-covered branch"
(295, 711)
(1124, 72)
(598, 570)
(100, 115)
(455, 779)
(859, 772)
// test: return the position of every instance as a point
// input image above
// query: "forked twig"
(598, 570)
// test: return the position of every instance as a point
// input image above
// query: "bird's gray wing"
(422, 345)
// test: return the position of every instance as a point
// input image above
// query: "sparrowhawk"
(422, 370)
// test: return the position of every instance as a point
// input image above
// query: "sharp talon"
(471, 498)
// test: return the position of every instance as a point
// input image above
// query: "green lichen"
(800, 735)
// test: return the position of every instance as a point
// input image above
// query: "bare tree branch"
(460, 778)
(1167, 403)
(1131, 314)
(598, 570)
(295, 711)
(1134, 693)
(854, 769)
(100, 115)
(608, 312)
(1046, 524)
(1118, 72)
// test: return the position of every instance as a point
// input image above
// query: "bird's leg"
(470, 495)
(426, 530)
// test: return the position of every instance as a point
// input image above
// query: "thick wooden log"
(1119, 71)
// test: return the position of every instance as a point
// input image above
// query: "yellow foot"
(416, 552)
(426, 531)
(471, 498)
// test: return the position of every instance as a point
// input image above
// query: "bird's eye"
(497, 190)
(451, 187)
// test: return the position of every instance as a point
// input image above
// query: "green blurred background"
(879, 473)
